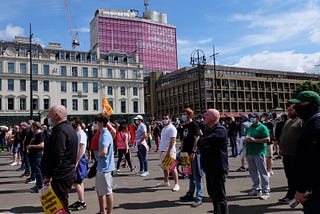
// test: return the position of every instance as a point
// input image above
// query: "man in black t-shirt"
(190, 135)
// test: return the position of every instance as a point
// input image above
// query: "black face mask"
(306, 111)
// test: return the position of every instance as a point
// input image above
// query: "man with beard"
(306, 157)
(289, 137)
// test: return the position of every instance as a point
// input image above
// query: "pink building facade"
(154, 41)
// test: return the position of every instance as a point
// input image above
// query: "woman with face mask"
(257, 137)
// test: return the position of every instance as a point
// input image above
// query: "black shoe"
(79, 206)
(186, 198)
(74, 204)
(285, 200)
(35, 189)
(241, 169)
(20, 169)
(25, 175)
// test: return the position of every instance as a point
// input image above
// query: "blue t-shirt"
(106, 163)
(140, 130)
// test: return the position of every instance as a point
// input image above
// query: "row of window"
(63, 87)
(75, 104)
(63, 71)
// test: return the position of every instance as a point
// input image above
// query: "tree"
(307, 86)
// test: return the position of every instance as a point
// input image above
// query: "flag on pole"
(106, 106)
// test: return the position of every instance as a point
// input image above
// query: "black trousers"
(288, 165)
(217, 192)
(62, 189)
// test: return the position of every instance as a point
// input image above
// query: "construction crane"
(74, 39)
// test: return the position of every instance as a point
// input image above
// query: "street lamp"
(198, 59)
(215, 77)
(31, 92)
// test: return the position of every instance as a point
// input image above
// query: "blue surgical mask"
(184, 118)
(50, 122)
(253, 119)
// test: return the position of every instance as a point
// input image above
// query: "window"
(85, 105)
(135, 106)
(94, 72)
(135, 91)
(35, 69)
(63, 86)
(0, 84)
(95, 87)
(23, 104)
(95, 105)
(62, 55)
(1, 66)
(63, 71)
(23, 85)
(46, 69)
(135, 74)
(83, 57)
(35, 85)
(22, 52)
(122, 91)
(72, 56)
(10, 85)
(0, 103)
(46, 104)
(122, 74)
(35, 104)
(123, 106)
(74, 71)
(85, 86)
(74, 104)
(110, 90)
(93, 57)
(85, 72)
(23, 68)
(74, 86)
(64, 102)
(10, 67)
(109, 73)
(46, 85)
(10, 103)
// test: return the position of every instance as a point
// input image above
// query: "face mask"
(263, 119)
(305, 111)
(165, 122)
(184, 117)
(253, 119)
(95, 126)
(136, 122)
(50, 122)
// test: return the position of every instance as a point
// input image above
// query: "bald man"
(60, 154)
(213, 146)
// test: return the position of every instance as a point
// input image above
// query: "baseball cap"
(311, 96)
(138, 117)
(254, 114)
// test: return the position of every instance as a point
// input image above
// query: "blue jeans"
(195, 181)
(36, 171)
(258, 171)
(234, 147)
(2, 143)
(142, 155)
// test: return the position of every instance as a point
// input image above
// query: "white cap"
(138, 117)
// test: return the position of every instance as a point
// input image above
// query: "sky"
(264, 34)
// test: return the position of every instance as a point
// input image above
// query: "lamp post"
(198, 59)
(31, 92)
(215, 77)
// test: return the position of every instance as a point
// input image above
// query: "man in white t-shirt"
(76, 123)
(167, 147)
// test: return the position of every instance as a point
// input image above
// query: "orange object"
(106, 106)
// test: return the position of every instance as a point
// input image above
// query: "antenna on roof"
(146, 5)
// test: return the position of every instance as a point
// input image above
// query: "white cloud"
(285, 61)
(10, 32)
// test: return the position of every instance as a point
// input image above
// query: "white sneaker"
(176, 188)
(144, 174)
(265, 196)
(163, 184)
(255, 193)
(14, 164)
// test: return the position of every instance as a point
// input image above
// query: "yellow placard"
(168, 163)
(186, 164)
(50, 202)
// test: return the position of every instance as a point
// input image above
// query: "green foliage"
(307, 86)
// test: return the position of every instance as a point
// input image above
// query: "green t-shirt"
(258, 131)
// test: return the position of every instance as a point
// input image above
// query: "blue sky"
(267, 34)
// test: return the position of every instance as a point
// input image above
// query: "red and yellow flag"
(106, 106)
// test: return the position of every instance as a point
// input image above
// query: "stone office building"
(232, 90)
(75, 79)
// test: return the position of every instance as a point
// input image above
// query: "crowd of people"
(57, 153)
